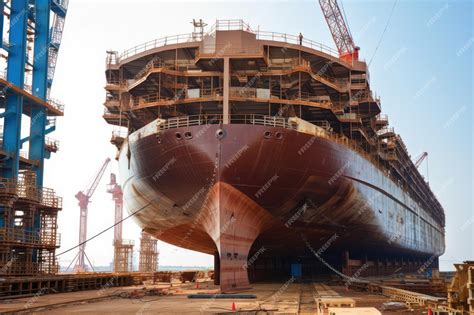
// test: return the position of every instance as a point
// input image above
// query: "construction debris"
(222, 296)
(138, 294)
(353, 311)
(461, 289)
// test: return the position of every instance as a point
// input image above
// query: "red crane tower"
(340, 32)
(84, 197)
(123, 249)
(420, 159)
(117, 196)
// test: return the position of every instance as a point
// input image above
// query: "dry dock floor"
(272, 298)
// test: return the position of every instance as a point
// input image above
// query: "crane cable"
(105, 230)
(385, 29)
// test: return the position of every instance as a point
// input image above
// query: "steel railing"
(223, 25)
(56, 104)
(26, 237)
(51, 143)
(235, 92)
(385, 130)
(383, 118)
(159, 64)
(230, 25)
(24, 187)
(252, 119)
(167, 40)
(294, 39)
(119, 134)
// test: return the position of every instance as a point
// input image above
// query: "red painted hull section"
(247, 193)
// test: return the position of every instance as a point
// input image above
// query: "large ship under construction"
(268, 151)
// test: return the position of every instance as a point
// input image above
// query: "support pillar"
(217, 269)
(15, 75)
(2, 7)
(40, 86)
(226, 110)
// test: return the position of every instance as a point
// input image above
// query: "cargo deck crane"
(340, 32)
(84, 197)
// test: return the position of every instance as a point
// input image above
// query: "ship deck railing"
(255, 119)
(156, 99)
(294, 39)
(251, 119)
(284, 68)
(159, 42)
(223, 25)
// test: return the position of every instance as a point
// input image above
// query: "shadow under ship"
(267, 152)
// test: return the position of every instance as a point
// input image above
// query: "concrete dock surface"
(163, 298)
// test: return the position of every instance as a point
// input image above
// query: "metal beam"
(2, 7)
(226, 90)
(15, 75)
(57, 6)
(40, 86)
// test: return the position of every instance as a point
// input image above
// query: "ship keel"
(234, 222)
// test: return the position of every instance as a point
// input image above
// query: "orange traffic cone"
(233, 306)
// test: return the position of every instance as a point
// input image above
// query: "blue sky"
(422, 71)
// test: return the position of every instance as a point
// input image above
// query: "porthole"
(178, 136)
(267, 134)
(279, 135)
(188, 135)
(220, 134)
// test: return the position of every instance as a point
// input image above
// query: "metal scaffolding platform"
(28, 211)
(28, 236)
(148, 254)
(123, 255)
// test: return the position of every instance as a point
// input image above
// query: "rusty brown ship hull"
(247, 192)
